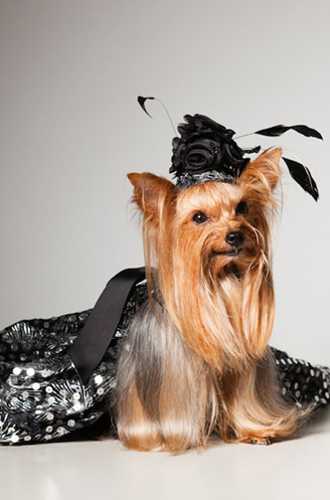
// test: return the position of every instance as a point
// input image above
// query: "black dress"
(42, 397)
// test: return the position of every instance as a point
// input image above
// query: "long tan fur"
(196, 360)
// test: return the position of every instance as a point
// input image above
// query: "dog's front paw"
(257, 440)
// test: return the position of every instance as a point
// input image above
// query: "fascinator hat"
(205, 150)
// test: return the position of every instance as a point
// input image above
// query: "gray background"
(71, 130)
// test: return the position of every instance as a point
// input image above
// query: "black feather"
(281, 129)
(252, 150)
(142, 100)
(303, 177)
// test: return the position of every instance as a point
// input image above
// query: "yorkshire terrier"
(197, 359)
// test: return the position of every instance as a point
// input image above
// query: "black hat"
(206, 150)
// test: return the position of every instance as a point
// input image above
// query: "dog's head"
(215, 226)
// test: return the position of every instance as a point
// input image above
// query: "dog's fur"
(197, 360)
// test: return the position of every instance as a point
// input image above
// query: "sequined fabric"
(42, 397)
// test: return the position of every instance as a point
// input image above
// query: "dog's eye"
(242, 208)
(199, 217)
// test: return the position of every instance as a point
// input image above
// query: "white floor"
(296, 469)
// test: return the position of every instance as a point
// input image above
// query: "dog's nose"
(235, 238)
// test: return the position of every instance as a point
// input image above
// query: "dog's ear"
(265, 169)
(150, 192)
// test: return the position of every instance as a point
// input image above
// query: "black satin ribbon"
(94, 339)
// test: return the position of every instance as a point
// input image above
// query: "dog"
(197, 361)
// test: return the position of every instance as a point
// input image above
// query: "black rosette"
(205, 146)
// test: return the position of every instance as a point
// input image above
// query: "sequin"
(98, 379)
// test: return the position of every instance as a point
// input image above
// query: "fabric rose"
(206, 146)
